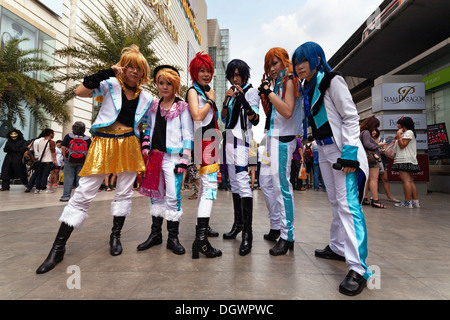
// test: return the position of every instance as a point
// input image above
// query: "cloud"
(327, 22)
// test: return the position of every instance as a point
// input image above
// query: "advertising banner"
(398, 96)
(438, 146)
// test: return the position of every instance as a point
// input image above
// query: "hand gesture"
(118, 70)
(211, 94)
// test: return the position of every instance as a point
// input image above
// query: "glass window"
(11, 26)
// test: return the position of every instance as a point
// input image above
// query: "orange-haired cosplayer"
(283, 123)
(206, 139)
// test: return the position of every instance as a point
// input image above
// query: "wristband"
(348, 163)
(93, 81)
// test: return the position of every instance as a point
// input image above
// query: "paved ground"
(409, 248)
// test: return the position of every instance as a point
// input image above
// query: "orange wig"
(281, 54)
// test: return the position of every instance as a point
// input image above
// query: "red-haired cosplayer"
(206, 140)
(114, 149)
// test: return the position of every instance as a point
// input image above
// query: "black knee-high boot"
(238, 224)
(247, 233)
(114, 239)
(172, 242)
(201, 243)
(155, 236)
(56, 254)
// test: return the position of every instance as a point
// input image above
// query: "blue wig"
(310, 51)
(243, 69)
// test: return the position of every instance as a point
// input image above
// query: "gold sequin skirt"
(113, 155)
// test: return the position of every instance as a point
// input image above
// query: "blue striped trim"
(188, 144)
(285, 190)
(359, 221)
(178, 183)
(349, 152)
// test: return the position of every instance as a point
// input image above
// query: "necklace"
(136, 90)
(129, 87)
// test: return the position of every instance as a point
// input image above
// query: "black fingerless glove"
(263, 90)
(93, 81)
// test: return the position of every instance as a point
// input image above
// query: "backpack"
(78, 148)
(28, 156)
(308, 154)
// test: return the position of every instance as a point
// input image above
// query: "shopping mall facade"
(398, 64)
(182, 27)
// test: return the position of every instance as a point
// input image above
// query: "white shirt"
(409, 153)
(35, 148)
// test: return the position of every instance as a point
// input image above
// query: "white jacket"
(111, 90)
(180, 127)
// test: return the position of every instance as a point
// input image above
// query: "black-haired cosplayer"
(240, 112)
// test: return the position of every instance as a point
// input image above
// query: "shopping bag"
(302, 173)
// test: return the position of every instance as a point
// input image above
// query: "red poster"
(422, 175)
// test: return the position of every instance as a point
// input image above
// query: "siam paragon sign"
(398, 96)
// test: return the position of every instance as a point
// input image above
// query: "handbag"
(390, 150)
(38, 163)
(372, 157)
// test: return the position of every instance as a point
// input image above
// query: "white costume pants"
(75, 213)
(348, 231)
(237, 161)
(274, 178)
(207, 193)
(170, 186)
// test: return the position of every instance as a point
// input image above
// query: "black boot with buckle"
(201, 243)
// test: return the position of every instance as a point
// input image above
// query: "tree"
(20, 92)
(108, 40)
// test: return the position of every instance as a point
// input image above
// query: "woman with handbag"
(368, 129)
(47, 151)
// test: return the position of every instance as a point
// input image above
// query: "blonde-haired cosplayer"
(132, 57)
(167, 143)
(114, 149)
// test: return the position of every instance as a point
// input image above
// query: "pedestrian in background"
(13, 167)
(405, 161)
(47, 160)
(71, 168)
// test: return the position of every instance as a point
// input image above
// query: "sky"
(258, 25)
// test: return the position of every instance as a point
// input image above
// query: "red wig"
(200, 59)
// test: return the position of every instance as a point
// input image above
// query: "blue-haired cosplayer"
(239, 113)
(332, 115)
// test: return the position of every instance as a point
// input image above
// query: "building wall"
(69, 24)
(74, 11)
